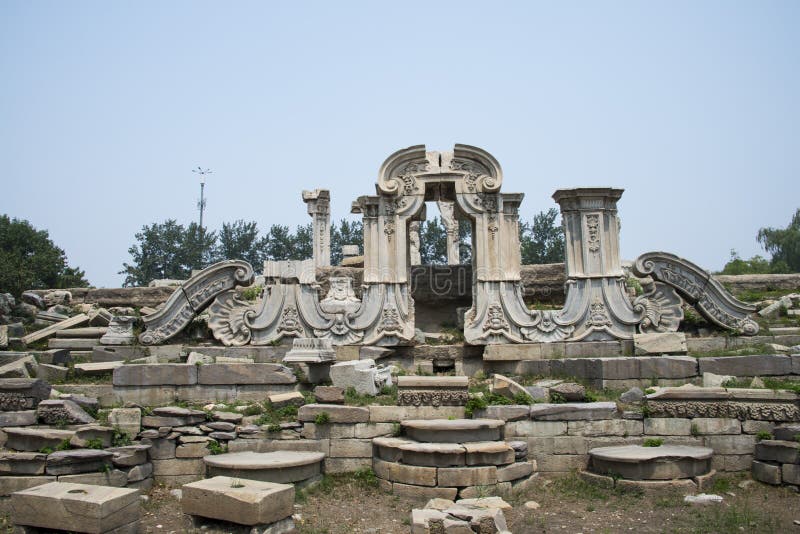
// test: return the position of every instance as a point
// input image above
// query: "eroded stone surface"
(279, 466)
(666, 462)
(238, 500)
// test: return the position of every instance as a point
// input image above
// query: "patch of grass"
(274, 427)
(215, 448)
(322, 418)
(120, 438)
(64, 445)
(557, 398)
(522, 398)
(748, 295)
(721, 485)
(386, 397)
(474, 403)
(253, 409)
(744, 517)
(94, 443)
(653, 442)
(763, 434)
(776, 384)
(365, 478)
(747, 350)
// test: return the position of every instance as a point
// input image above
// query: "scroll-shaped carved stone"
(193, 297)
(661, 308)
(700, 289)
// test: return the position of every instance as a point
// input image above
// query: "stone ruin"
(466, 183)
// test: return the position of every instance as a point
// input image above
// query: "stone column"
(319, 207)
(447, 210)
(413, 243)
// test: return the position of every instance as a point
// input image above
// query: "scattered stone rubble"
(483, 515)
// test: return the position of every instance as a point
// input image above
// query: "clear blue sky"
(105, 107)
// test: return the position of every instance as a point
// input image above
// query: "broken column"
(319, 201)
(447, 210)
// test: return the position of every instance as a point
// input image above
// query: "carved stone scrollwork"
(660, 307)
(700, 289)
(431, 397)
(758, 411)
(193, 297)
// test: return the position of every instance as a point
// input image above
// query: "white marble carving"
(120, 331)
(362, 375)
(413, 243)
(700, 289)
(193, 297)
(310, 350)
(319, 207)
(447, 211)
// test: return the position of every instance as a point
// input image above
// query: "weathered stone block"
(351, 448)
(784, 452)
(347, 465)
(246, 502)
(410, 491)
(755, 365)
(155, 375)
(574, 411)
(23, 418)
(178, 466)
(10, 484)
(140, 472)
(716, 425)
(742, 444)
(246, 373)
(505, 412)
(514, 471)
(114, 478)
(62, 412)
(76, 507)
(336, 413)
(128, 420)
(387, 414)
(372, 430)
(562, 463)
(660, 343)
(610, 427)
(536, 428)
(790, 474)
(467, 476)
(767, 472)
(160, 448)
(22, 463)
(667, 367)
(71, 462)
(405, 474)
(36, 439)
(667, 426)
(18, 394)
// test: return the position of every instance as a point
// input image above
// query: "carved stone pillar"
(447, 210)
(413, 243)
(319, 201)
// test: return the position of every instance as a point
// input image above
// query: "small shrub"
(216, 448)
(94, 443)
(474, 403)
(322, 418)
(694, 430)
(646, 410)
(46, 450)
(522, 398)
(236, 483)
(64, 445)
(557, 398)
(397, 429)
(649, 391)
(365, 477)
(120, 438)
(253, 409)
(653, 442)
(274, 427)
(763, 434)
(590, 396)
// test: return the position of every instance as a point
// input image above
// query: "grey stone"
(21, 418)
(785, 452)
(666, 462)
(336, 414)
(128, 420)
(11, 484)
(223, 436)
(633, 395)
(228, 417)
(25, 367)
(506, 412)
(140, 472)
(87, 403)
(36, 439)
(76, 507)
(281, 467)
(358, 374)
(18, 394)
(702, 499)
(755, 365)
(196, 358)
(247, 373)
(59, 411)
(114, 478)
(711, 380)
(502, 385)
(329, 395)
(247, 502)
(787, 432)
(281, 400)
(766, 472)
(568, 391)
(574, 411)
(660, 343)
(155, 375)
(51, 373)
(22, 463)
(75, 461)
(129, 455)
(99, 434)
(453, 430)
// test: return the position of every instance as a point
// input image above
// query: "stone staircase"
(451, 458)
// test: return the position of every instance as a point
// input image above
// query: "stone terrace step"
(280, 466)
(667, 462)
(443, 454)
(453, 430)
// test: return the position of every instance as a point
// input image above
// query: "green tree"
(167, 250)
(283, 244)
(755, 265)
(345, 233)
(543, 240)
(432, 242)
(30, 260)
(783, 244)
(239, 241)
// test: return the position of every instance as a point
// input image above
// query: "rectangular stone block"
(372, 430)
(328, 431)
(505, 412)
(767, 472)
(561, 463)
(514, 471)
(660, 343)
(245, 373)
(388, 414)
(22, 418)
(790, 474)
(346, 465)
(192, 450)
(405, 474)
(536, 428)
(417, 492)
(179, 466)
(50, 330)
(667, 367)
(512, 352)
(176, 481)
(570, 445)
(242, 501)
(336, 413)
(741, 444)
(10, 484)
(467, 476)
(772, 450)
(574, 411)
(76, 507)
(667, 426)
(272, 445)
(160, 448)
(609, 427)
(755, 365)
(351, 448)
(716, 425)
(167, 374)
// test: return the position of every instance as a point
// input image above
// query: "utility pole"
(201, 205)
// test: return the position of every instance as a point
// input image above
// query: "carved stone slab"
(193, 297)
(700, 289)
(755, 404)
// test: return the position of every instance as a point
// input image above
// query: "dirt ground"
(348, 505)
